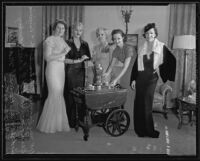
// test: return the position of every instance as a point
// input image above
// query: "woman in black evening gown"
(74, 69)
(153, 58)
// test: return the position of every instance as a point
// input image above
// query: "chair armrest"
(22, 103)
(17, 108)
(164, 90)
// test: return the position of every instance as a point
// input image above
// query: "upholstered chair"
(17, 110)
(161, 101)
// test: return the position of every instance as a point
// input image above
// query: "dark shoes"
(154, 134)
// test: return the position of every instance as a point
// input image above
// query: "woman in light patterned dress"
(54, 117)
(102, 52)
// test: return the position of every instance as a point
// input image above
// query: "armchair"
(17, 110)
(162, 99)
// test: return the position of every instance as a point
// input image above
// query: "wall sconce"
(126, 14)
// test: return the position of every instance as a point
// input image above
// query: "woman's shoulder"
(84, 42)
(70, 41)
(112, 46)
(128, 46)
(49, 41)
(50, 38)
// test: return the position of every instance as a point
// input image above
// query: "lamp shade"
(184, 42)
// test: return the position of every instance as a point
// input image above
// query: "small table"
(110, 102)
(186, 107)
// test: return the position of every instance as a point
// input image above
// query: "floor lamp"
(185, 42)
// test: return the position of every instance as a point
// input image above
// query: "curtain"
(182, 22)
(70, 14)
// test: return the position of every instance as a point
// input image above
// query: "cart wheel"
(101, 111)
(99, 116)
(117, 123)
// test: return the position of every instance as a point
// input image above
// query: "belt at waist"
(77, 65)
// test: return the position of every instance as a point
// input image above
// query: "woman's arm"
(109, 70)
(73, 61)
(125, 67)
(94, 55)
(111, 49)
(134, 73)
(88, 51)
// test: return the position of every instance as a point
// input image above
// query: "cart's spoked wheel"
(99, 115)
(102, 111)
(117, 122)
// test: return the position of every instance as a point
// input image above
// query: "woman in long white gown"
(54, 117)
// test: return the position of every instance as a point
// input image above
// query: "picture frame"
(132, 39)
(12, 36)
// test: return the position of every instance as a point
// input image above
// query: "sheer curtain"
(182, 22)
(70, 14)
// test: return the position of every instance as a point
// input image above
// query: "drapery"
(70, 14)
(182, 22)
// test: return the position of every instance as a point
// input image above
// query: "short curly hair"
(150, 26)
(117, 31)
(77, 24)
(102, 29)
(59, 21)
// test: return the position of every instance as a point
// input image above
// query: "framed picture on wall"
(132, 39)
(12, 36)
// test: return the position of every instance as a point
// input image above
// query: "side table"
(186, 107)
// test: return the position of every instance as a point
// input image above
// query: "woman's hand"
(113, 83)
(67, 61)
(105, 75)
(84, 57)
(133, 85)
(61, 59)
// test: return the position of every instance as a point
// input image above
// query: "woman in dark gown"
(153, 58)
(75, 69)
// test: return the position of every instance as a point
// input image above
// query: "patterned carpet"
(172, 141)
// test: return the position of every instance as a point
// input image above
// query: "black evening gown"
(145, 86)
(74, 77)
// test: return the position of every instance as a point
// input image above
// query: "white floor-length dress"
(54, 116)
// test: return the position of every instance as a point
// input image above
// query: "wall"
(110, 17)
(29, 20)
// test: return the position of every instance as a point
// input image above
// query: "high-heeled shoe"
(155, 134)
(141, 135)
